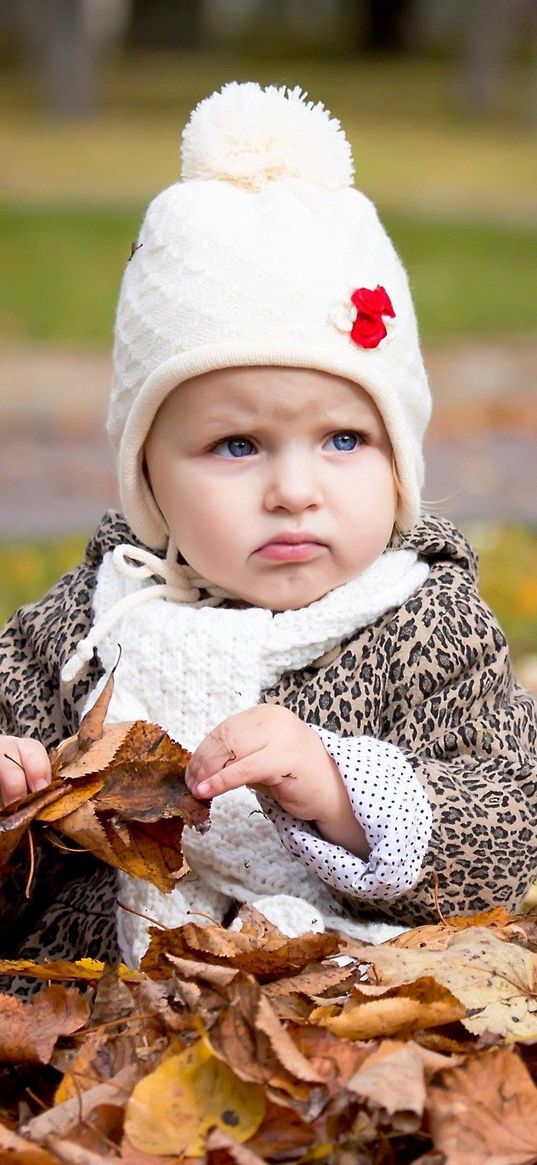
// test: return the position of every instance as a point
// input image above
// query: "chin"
(293, 600)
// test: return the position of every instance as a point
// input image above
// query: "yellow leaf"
(171, 1110)
(57, 969)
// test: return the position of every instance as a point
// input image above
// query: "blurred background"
(439, 100)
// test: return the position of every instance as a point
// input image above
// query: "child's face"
(275, 483)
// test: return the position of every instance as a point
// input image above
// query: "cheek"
(203, 527)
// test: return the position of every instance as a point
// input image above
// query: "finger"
(36, 764)
(255, 769)
(12, 775)
(24, 766)
(228, 743)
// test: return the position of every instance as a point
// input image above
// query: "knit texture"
(188, 668)
(253, 259)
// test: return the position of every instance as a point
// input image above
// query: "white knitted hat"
(264, 254)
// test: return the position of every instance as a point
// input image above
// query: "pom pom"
(248, 135)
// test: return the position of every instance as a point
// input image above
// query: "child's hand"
(24, 768)
(271, 749)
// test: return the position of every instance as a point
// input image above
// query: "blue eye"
(234, 447)
(344, 442)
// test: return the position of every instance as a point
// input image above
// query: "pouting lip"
(292, 538)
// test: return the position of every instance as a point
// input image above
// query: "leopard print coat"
(432, 677)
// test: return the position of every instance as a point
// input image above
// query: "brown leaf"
(90, 730)
(146, 782)
(394, 1076)
(485, 1112)
(151, 851)
(124, 798)
(439, 937)
(282, 1134)
(28, 1031)
(142, 773)
(248, 1036)
(14, 823)
(98, 757)
(135, 816)
(372, 1012)
(317, 979)
(333, 1059)
(113, 999)
(92, 724)
(259, 948)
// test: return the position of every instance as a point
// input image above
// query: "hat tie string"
(180, 584)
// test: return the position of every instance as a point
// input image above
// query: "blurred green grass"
(61, 270)
(507, 559)
(456, 193)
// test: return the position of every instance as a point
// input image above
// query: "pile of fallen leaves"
(237, 1048)
(242, 1046)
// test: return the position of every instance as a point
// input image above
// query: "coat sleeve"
(455, 710)
(34, 645)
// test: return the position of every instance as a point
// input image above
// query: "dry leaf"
(15, 822)
(203, 1047)
(333, 1059)
(439, 937)
(373, 1012)
(259, 948)
(282, 1134)
(493, 979)
(87, 970)
(485, 1112)
(122, 796)
(90, 730)
(150, 851)
(172, 1109)
(394, 1076)
(28, 1031)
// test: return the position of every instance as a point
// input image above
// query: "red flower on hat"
(369, 328)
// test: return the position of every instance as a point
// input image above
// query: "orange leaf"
(151, 851)
(28, 1031)
(373, 1012)
(485, 1111)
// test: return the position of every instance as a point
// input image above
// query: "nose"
(293, 483)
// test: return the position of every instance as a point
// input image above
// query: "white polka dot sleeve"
(390, 805)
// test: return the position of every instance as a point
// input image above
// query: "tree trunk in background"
(389, 25)
(167, 24)
(491, 28)
(62, 40)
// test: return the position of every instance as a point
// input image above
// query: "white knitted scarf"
(188, 668)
